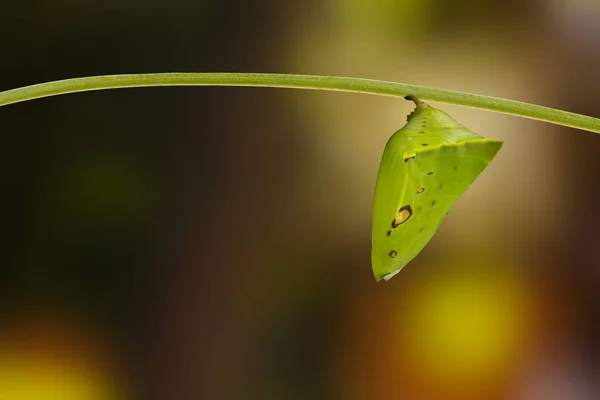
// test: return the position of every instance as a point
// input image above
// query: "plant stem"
(314, 82)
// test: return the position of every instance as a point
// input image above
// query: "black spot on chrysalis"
(433, 202)
(402, 216)
(430, 173)
(423, 144)
(393, 254)
(389, 233)
(420, 190)
(455, 167)
(409, 158)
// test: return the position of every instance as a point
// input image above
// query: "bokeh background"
(188, 243)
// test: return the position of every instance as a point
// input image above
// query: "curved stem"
(303, 82)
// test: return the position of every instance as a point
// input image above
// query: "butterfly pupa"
(426, 166)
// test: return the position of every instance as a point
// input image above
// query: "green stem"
(303, 82)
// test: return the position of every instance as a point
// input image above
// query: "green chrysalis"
(426, 166)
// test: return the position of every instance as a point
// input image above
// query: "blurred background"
(188, 243)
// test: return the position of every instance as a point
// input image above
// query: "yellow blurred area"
(465, 331)
(28, 377)
(467, 327)
(55, 359)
